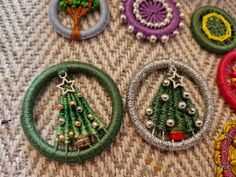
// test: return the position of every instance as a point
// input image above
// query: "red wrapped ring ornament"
(226, 78)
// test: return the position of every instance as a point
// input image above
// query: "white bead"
(149, 111)
(169, 15)
(181, 25)
(186, 94)
(149, 24)
(182, 105)
(162, 24)
(199, 123)
(178, 5)
(164, 38)
(166, 83)
(121, 8)
(139, 35)
(165, 5)
(175, 33)
(166, 21)
(152, 39)
(123, 18)
(143, 22)
(170, 122)
(181, 15)
(157, 25)
(130, 28)
(169, 10)
(149, 124)
(165, 97)
(192, 111)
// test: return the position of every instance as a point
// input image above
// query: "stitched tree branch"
(77, 10)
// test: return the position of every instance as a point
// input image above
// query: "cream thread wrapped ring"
(187, 132)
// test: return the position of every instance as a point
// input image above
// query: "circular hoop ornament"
(152, 19)
(226, 78)
(225, 151)
(214, 29)
(173, 121)
(80, 133)
(77, 10)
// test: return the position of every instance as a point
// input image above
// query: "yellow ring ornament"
(221, 38)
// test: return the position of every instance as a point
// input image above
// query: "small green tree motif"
(77, 10)
(173, 113)
(78, 124)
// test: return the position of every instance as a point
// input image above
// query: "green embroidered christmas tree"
(77, 10)
(173, 114)
(78, 125)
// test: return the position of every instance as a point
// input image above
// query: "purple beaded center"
(152, 11)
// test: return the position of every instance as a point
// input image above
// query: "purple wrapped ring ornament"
(152, 19)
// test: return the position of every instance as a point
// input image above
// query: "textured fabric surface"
(28, 45)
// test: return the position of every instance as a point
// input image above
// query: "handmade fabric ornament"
(152, 19)
(226, 78)
(225, 151)
(173, 120)
(77, 9)
(214, 29)
(80, 132)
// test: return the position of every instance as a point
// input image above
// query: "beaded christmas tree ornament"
(152, 19)
(225, 151)
(173, 120)
(78, 9)
(80, 132)
(214, 29)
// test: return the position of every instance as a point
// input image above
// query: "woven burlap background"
(28, 45)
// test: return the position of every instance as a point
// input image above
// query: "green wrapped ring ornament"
(91, 144)
(214, 29)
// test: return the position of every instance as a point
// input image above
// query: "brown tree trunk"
(75, 35)
(76, 15)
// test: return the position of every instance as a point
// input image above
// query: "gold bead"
(95, 125)
(73, 104)
(90, 117)
(60, 107)
(77, 123)
(80, 95)
(79, 109)
(71, 134)
(62, 138)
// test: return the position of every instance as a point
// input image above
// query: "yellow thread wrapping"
(209, 34)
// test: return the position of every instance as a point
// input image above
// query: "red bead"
(176, 136)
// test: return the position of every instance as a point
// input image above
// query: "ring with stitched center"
(72, 107)
(214, 29)
(174, 123)
(152, 19)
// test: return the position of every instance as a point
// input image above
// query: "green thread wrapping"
(204, 42)
(216, 26)
(164, 110)
(34, 137)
